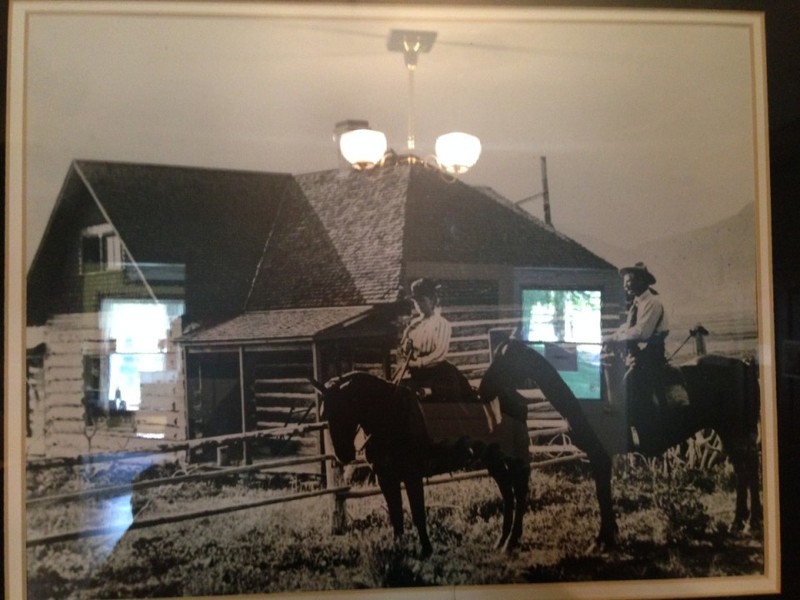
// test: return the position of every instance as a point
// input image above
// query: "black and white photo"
(383, 300)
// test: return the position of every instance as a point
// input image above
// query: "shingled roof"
(464, 224)
(262, 241)
(344, 247)
(283, 325)
(376, 222)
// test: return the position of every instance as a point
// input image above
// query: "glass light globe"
(362, 148)
(456, 152)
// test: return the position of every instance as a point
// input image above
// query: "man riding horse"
(641, 341)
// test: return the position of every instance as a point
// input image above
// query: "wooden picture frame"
(654, 127)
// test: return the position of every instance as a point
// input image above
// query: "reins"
(678, 349)
(398, 376)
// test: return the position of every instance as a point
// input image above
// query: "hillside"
(706, 270)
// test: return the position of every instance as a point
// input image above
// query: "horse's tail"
(752, 395)
(738, 383)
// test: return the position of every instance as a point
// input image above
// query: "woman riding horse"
(425, 344)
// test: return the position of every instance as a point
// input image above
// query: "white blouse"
(430, 337)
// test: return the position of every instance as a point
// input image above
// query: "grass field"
(671, 526)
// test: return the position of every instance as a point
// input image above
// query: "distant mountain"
(616, 255)
(711, 269)
(707, 270)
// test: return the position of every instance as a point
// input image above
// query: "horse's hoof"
(501, 542)
(597, 547)
(602, 545)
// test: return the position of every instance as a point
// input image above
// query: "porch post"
(243, 397)
(333, 474)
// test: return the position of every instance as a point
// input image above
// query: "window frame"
(108, 243)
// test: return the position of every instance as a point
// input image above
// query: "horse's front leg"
(584, 438)
(389, 484)
(519, 471)
(601, 471)
(416, 500)
(499, 472)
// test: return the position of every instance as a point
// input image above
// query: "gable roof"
(213, 221)
(210, 220)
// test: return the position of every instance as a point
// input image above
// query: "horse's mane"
(365, 384)
(513, 344)
(361, 378)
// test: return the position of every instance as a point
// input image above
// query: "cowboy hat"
(640, 270)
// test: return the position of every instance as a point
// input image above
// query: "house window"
(95, 384)
(140, 329)
(101, 249)
(565, 326)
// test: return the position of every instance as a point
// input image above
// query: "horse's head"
(509, 369)
(336, 407)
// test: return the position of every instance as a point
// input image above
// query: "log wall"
(162, 411)
(58, 417)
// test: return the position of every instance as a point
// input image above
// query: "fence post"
(334, 478)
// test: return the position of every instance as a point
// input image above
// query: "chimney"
(343, 127)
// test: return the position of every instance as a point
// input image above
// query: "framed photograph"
(387, 301)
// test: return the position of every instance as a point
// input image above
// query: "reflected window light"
(138, 326)
(150, 436)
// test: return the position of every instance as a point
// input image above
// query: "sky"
(647, 126)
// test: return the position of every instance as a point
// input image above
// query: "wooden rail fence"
(282, 398)
(543, 455)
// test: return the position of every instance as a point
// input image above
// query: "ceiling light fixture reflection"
(364, 148)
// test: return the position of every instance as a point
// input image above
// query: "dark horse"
(401, 450)
(722, 395)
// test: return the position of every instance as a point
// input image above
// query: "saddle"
(442, 383)
(667, 392)
(664, 410)
(674, 392)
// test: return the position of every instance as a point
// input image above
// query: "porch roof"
(276, 325)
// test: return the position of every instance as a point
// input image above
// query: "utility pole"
(545, 192)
